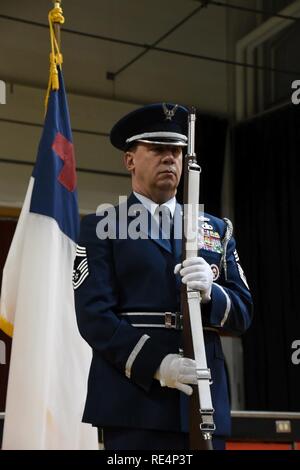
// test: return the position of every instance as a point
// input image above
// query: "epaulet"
(225, 240)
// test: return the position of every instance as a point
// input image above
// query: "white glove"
(197, 275)
(176, 371)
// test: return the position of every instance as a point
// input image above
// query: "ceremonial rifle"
(201, 423)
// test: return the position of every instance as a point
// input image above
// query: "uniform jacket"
(115, 276)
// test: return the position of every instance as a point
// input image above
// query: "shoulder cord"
(225, 241)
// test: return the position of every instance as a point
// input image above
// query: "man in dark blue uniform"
(127, 293)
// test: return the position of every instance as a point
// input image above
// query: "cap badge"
(169, 113)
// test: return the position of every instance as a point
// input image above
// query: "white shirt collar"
(151, 206)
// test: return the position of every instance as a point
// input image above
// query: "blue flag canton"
(55, 186)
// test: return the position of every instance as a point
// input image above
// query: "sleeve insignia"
(81, 268)
(240, 269)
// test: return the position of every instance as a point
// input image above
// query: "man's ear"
(129, 160)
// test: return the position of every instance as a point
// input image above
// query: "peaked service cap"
(160, 123)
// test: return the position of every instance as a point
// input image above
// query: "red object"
(261, 446)
(65, 150)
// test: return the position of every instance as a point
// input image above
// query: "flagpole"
(56, 19)
(56, 25)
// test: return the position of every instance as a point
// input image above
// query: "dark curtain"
(7, 229)
(267, 189)
(210, 142)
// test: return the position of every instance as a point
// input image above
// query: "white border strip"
(132, 357)
(157, 134)
(125, 314)
(228, 305)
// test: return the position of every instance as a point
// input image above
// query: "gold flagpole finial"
(56, 19)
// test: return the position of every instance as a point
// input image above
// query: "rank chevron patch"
(81, 267)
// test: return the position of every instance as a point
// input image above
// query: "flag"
(49, 360)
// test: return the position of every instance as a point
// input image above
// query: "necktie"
(165, 224)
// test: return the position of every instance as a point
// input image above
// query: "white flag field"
(49, 359)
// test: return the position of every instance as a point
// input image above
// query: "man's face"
(155, 169)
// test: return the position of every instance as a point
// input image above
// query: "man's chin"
(167, 186)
